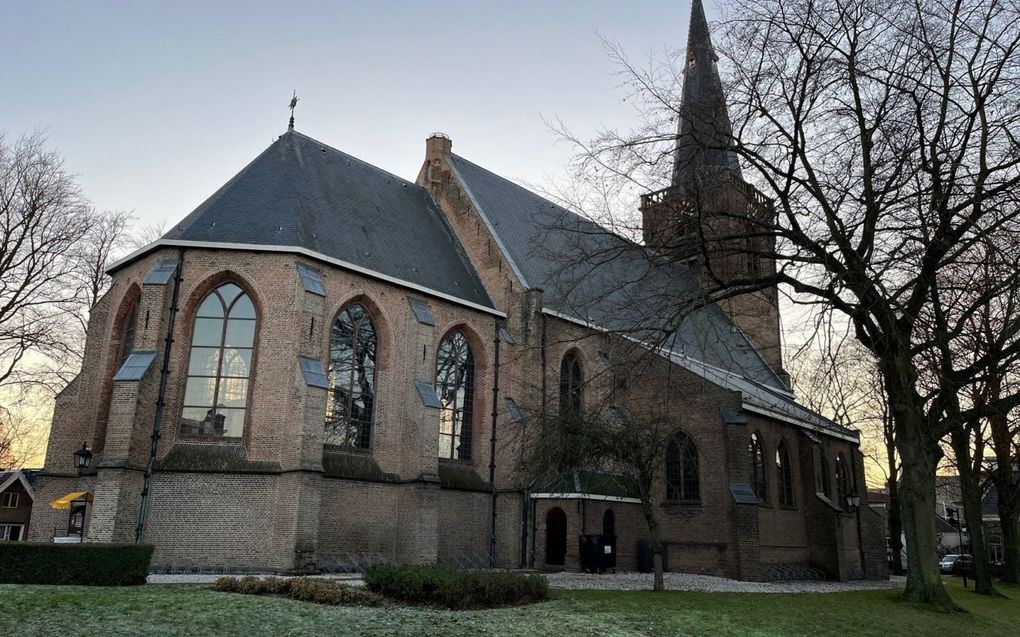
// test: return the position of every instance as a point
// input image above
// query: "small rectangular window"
(311, 280)
(514, 410)
(313, 371)
(10, 500)
(135, 366)
(505, 334)
(427, 393)
(161, 273)
(421, 310)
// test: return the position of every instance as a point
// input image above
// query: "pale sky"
(157, 104)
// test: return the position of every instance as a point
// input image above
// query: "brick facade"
(274, 498)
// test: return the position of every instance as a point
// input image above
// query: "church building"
(325, 365)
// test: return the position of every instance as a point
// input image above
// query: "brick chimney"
(437, 146)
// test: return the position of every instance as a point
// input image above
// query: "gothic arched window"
(785, 473)
(682, 481)
(844, 480)
(222, 340)
(761, 488)
(821, 471)
(455, 380)
(353, 351)
(127, 333)
(571, 379)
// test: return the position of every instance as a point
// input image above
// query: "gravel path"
(707, 583)
(353, 579)
(626, 582)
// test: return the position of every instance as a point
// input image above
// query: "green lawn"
(195, 610)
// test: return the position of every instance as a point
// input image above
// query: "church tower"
(709, 217)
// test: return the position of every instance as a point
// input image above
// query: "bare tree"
(44, 219)
(18, 441)
(883, 135)
(599, 441)
(53, 260)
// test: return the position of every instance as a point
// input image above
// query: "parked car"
(946, 563)
(963, 565)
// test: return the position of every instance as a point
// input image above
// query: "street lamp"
(853, 503)
(82, 458)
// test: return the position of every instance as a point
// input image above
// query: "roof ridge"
(352, 157)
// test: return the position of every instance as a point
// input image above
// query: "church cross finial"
(293, 105)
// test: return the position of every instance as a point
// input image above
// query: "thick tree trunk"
(971, 493)
(918, 459)
(1006, 486)
(656, 541)
(1010, 542)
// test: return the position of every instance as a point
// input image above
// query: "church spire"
(704, 135)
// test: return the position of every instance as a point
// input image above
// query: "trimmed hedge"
(83, 564)
(441, 586)
(302, 589)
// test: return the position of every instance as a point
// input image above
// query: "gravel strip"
(620, 582)
(353, 579)
(706, 583)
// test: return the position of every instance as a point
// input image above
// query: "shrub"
(84, 564)
(440, 586)
(301, 589)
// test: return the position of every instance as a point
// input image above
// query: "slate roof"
(589, 274)
(304, 194)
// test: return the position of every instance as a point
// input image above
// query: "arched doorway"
(609, 523)
(555, 537)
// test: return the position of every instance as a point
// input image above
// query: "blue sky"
(157, 104)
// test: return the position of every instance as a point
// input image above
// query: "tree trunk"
(893, 507)
(1010, 540)
(1006, 486)
(971, 493)
(918, 459)
(656, 540)
(895, 529)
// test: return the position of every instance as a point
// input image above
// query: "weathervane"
(293, 104)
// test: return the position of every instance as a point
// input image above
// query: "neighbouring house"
(348, 360)
(16, 499)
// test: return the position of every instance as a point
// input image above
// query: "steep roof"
(590, 275)
(704, 135)
(302, 194)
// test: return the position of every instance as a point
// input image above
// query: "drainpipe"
(164, 373)
(492, 444)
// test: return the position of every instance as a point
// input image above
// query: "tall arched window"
(682, 482)
(844, 480)
(821, 471)
(353, 347)
(219, 368)
(761, 488)
(785, 472)
(571, 379)
(127, 333)
(455, 380)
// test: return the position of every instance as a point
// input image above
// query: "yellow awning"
(65, 502)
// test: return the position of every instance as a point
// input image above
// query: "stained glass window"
(682, 482)
(219, 368)
(785, 473)
(758, 468)
(353, 351)
(455, 379)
